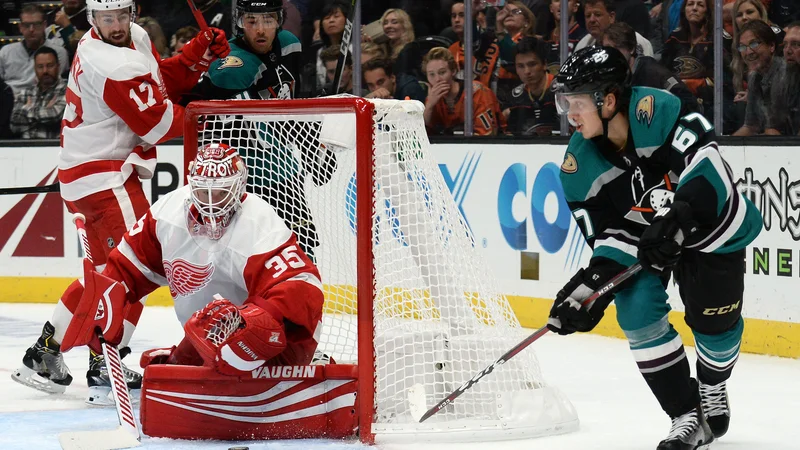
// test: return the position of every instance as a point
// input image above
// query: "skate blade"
(101, 396)
(28, 377)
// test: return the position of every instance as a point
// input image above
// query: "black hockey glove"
(568, 314)
(661, 243)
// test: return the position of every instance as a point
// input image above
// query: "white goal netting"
(438, 316)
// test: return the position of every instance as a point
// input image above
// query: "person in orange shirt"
(444, 106)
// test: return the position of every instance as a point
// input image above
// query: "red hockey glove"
(235, 340)
(207, 46)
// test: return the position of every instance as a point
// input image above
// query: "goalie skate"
(43, 365)
(99, 383)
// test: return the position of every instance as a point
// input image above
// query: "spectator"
(398, 29)
(383, 83)
(66, 21)
(514, 22)
(635, 14)
(181, 37)
(576, 33)
(757, 44)
(371, 50)
(330, 57)
(667, 17)
(784, 12)
(6, 107)
(334, 18)
(689, 51)
(645, 70)
(787, 89)
(599, 16)
(444, 106)
(38, 110)
(531, 109)
(157, 37)
(16, 60)
(485, 53)
(746, 11)
(292, 21)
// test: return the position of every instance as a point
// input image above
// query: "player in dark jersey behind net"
(638, 174)
(265, 64)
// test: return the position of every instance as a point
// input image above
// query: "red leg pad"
(186, 402)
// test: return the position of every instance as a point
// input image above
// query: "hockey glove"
(661, 243)
(207, 46)
(235, 340)
(568, 314)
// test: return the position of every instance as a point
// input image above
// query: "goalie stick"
(127, 435)
(344, 47)
(416, 394)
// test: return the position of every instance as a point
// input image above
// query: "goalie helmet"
(256, 7)
(93, 6)
(217, 179)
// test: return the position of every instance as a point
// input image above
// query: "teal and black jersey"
(247, 75)
(614, 194)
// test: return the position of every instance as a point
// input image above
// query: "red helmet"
(217, 179)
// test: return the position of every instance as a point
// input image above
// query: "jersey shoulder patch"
(518, 90)
(653, 114)
(583, 168)
(236, 71)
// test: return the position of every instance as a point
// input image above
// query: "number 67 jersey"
(257, 259)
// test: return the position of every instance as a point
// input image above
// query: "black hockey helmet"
(257, 7)
(595, 71)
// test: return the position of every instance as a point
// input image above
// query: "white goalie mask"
(217, 179)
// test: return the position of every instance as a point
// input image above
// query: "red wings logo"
(186, 278)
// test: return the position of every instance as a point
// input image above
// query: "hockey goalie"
(250, 302)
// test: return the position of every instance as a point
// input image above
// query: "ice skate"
(688, 432)
(43, 365)
(716, 407)
(99, 383)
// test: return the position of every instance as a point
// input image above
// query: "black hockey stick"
(55, 187)
(606, 288)
(344, 47)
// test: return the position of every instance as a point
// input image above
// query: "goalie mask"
(217, 179)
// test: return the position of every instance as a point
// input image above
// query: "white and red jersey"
(256, 261)
(119, 105)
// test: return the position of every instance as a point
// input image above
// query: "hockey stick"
(416, 394)
(127, 435)
(55, 187)
(344, 47)
(198, 15)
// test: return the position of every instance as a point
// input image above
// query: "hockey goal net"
(408, 297)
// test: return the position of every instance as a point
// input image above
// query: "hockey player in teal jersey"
(265, 63)
(649, 185)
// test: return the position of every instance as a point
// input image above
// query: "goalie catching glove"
(207, 46)
(568, 314)
(236, 339)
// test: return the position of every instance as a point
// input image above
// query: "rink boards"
(511, 199)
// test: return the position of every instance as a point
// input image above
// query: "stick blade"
(417, 402)
(98, 440)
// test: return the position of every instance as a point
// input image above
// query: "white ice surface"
(598, 374)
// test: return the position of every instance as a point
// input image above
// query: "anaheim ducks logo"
(645, 110)
(689, 67)
(231, 61)
(570, 164)
(186, 278)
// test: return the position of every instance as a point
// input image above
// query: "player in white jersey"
(121, 101)
(226, 256)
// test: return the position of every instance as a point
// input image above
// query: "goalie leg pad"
(271, 402)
